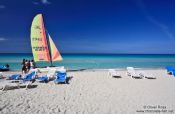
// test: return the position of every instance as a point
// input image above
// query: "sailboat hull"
(46, 69)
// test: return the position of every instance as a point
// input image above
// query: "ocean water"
(95, 61)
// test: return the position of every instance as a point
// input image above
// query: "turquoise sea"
(96, 61)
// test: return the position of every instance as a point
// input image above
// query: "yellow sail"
(39, 44)
(55, 54)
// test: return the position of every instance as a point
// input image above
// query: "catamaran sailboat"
(43, 47)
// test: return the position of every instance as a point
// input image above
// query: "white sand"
(94, 92)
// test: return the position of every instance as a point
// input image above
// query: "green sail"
(39, 44)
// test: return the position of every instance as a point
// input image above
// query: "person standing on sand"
(23, 66)
(28, 65)
(7, 65)
(32, 64)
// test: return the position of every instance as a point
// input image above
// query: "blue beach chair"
(170, 69)
(29, 76)
(29, 79)
(15, 77)
(60, 77)
(172, 72)
(43, 79)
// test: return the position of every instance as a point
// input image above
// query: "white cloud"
(162, 26)
(153, 20)
(2, 6)
(2, 39)
(45, 2)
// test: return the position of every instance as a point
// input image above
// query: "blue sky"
(91, 26)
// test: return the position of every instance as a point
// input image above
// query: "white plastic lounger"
(114, 73)
(34, 70)
(1, 75)
(131, 72)
(147, 75)
(51, 73)
(135, 75)
(26, 84)
(48, 76)
(8, 84)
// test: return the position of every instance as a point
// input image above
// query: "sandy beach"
(94, 92)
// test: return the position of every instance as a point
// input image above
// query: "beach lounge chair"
(131, 72)
(1, 75)
(8, 84)
(114, 73)
(46, 78)
(29, 76)
(15, 77)
(61, 76)
(147, 75)
(18, 76)
(34, 70)
(170, 70)
(28, 80)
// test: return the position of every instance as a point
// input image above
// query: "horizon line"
(108, 53)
